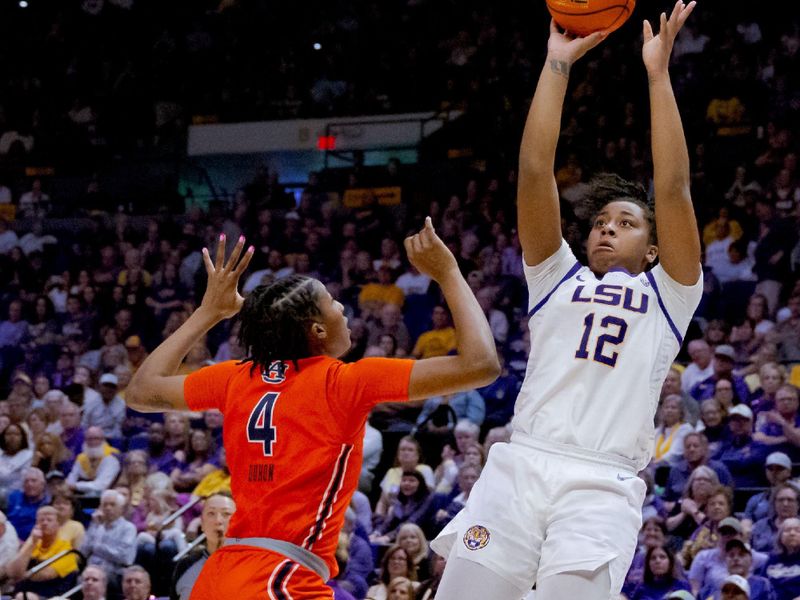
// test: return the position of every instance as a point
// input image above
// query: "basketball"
(582, 17)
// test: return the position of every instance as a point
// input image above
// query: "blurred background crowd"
(93, 277)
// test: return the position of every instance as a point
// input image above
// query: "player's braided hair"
(610, 187)
(275, 321)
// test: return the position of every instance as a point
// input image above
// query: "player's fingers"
(246, 258)
(407, 245)
(663, 27)
(220, 257)
(419, 247)
(237, 252)
(553, 28)
(207, 261)
(685, 14)
(428, 223)
(676, 11)
(647, 31)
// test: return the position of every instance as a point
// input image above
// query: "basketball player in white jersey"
(560, 505)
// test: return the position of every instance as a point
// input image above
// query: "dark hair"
(274, 319)
(606, 188)
(648, 576)
(23, 443)
(422, 488)
(412, 568)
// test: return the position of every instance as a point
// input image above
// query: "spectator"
(107, 410)
(401, 588)
(739, 560)
(710, 567)
(783, 565)
(467, 476)
(42, 544)
(110, 542)
(786, 334)
(740, 453)
(695, 454)
(9, 545)
(96, 467)
(672, 386)
(390, 321)
(135, 583)
(653, 534)
(22, 504)
(217, 512)
(670, 432)
(661, 575)
(373, 449)
(440, 339)
(15, 457)
(412, 539)
(374, 296)
(689, 512)
(714, 424)
(94, 583)
(718, 507)
(133, 475)
(784, 506)
(700, 368)
(412, 504)
(68, 528)
(408, 458)
(70, 430)
(778, 470)
(200, 461)
(160, 457)
(771, 376)
(498, 322)
(218, 480)
(780, 428)
(396, 563)
(136, 352)
(724, 357)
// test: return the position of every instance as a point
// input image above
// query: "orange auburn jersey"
(294, 440)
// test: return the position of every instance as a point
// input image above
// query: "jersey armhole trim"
(575, 268)
(671, 323)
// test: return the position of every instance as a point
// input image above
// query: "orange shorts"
(245, 573)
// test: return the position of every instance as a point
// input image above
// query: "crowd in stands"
(82, 309)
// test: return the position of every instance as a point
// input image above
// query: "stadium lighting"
(23, 3)
(317, 45)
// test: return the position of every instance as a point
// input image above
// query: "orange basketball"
(582, 17)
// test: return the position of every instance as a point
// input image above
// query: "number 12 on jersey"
(607, 323)
(259, 425)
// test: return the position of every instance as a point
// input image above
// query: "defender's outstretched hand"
(427, 252)
(222, 295)
(570, 48)
(657, 48)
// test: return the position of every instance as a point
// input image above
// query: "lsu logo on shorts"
(476, 537)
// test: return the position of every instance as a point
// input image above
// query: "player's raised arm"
(155, 387)
(678, 239)
(537, 196)
(476, 363)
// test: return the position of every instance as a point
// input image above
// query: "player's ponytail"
(275, 320)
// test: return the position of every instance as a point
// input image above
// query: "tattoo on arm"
(560, 67)
(159, 402)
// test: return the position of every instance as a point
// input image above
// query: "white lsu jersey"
(600, 350)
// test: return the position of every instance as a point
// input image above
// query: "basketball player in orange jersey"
(295, 415)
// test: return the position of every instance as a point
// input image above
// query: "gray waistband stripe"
(293, 552)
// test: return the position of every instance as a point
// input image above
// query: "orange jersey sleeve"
(354, 388)
(207, 388)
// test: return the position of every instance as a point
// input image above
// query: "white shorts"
(540, 509)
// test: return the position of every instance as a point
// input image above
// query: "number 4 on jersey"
(259, 425)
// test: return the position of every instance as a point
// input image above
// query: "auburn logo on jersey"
(276, 373)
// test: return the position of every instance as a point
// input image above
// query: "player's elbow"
(485, 371)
